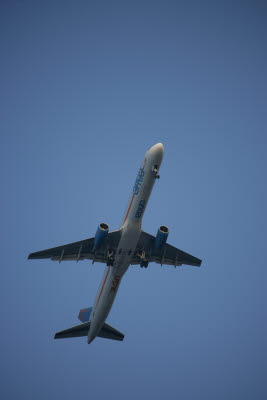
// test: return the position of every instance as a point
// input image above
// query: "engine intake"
(101, 234)
(162, 236)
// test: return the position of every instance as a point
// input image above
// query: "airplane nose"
(157, 150)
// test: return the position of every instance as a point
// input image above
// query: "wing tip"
(34, 256)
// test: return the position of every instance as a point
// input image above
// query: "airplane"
(119, 249)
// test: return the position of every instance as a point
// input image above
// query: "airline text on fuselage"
(140, 209)
(138, 181)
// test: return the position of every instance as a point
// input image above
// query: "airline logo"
(138, 181)
(115, 283)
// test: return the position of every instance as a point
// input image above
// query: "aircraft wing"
(167, 254)
(84, 249)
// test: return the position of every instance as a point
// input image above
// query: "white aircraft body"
(119, 249)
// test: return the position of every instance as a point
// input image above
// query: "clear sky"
(86, 88)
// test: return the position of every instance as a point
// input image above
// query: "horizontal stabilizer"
(75, 331)
(106, 332)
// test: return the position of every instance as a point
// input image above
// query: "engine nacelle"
(101, 234)
(162, 236)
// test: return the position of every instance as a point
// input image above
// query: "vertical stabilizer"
(84, 314)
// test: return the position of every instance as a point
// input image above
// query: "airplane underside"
(118, 250)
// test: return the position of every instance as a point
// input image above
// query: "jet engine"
(162, 236)
(101, 234)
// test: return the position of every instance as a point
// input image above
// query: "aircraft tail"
(106, 332)
(84, 314)
(75, 331)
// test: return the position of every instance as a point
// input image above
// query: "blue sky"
(86, 88)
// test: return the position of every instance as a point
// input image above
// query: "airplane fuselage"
(130, 232)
